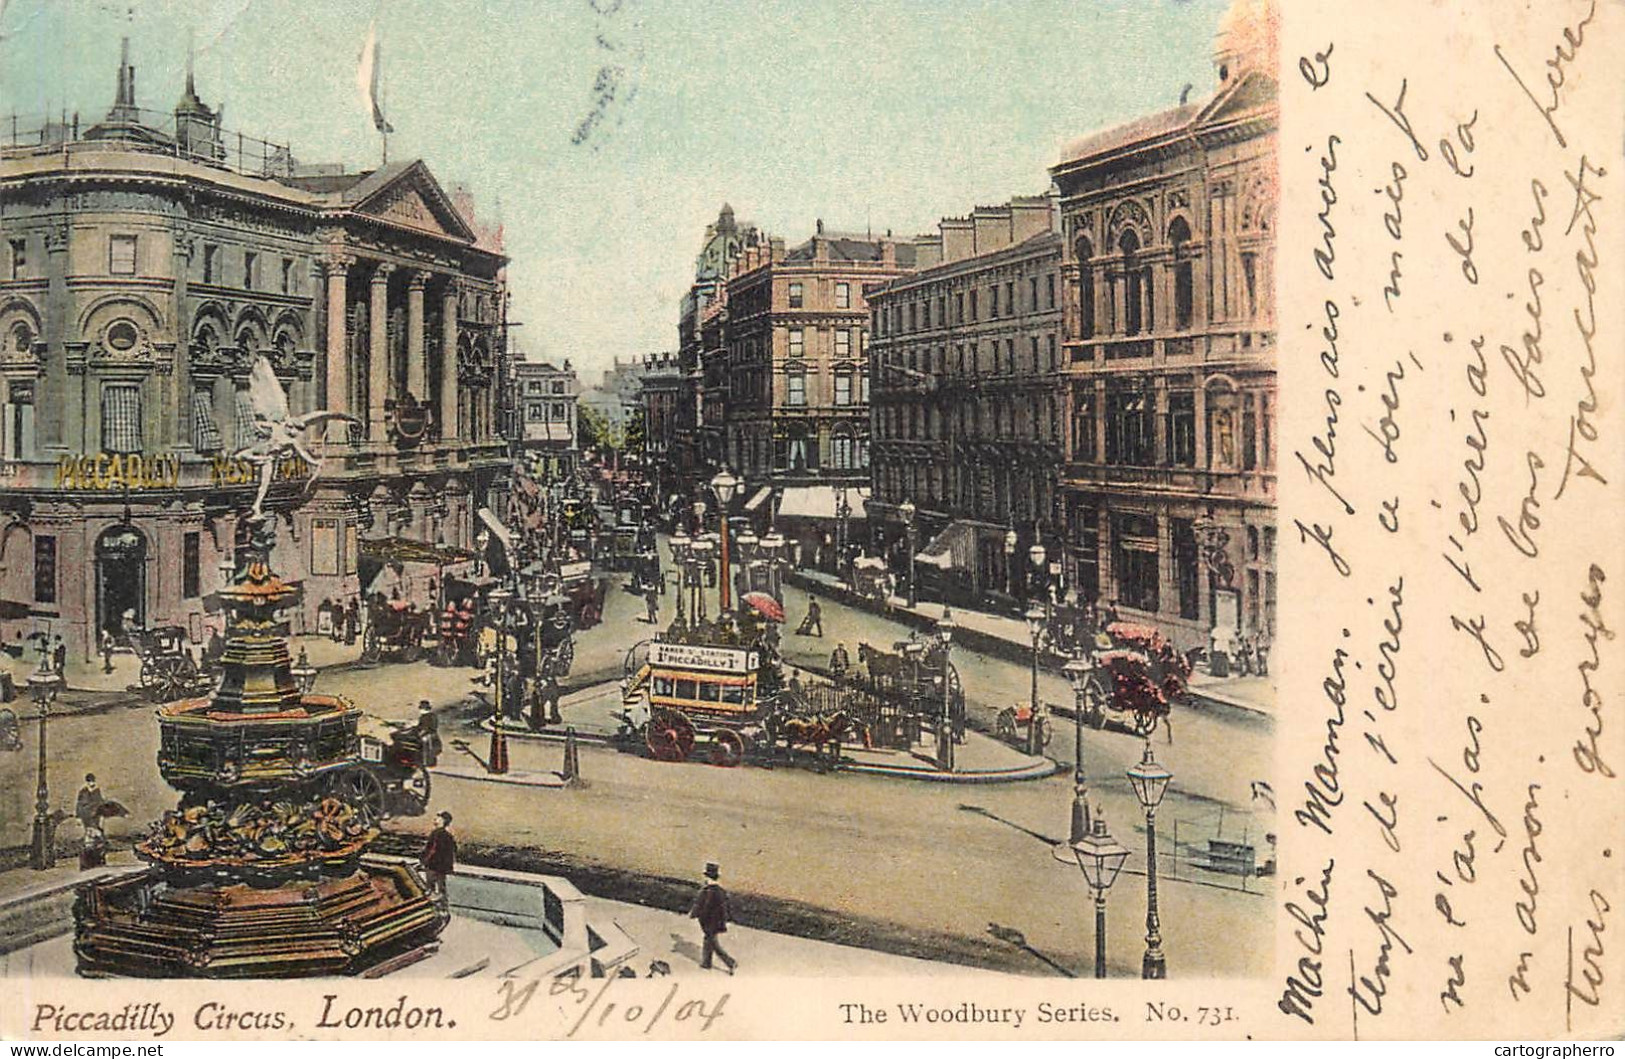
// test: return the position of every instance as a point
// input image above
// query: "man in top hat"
(439, 857)
(429, 731)
(711, 909)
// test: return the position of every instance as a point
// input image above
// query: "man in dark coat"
(439, 857)
(429, 732)
(88, 806)
(711, 909)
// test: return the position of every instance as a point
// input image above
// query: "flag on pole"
(366, 80)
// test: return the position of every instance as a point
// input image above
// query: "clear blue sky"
(894, 113)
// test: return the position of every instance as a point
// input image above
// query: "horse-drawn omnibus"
(682, 693)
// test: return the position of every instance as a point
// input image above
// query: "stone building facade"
(1170, 353)
(545, 400)
(795, 358)
(966, 411)
(148, 263)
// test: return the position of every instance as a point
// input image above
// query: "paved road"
(972, 863)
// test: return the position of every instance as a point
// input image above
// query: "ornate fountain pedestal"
(262, 870)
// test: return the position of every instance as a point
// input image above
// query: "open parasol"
(765, 605)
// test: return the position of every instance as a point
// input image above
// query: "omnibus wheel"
(669, 736)
(727, 749)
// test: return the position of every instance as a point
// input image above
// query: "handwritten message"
(1452, 809)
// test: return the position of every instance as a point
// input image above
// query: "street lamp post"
(497, 763)
(749, 555)
(1078, 671)
(724, 484)
(702, 550)
(773, 545)
(945, 725)
(843, 515)
(1100, 858)
(907, 510)
(1150, 780)
(1010, 562)
(1035, 625)
(43, 685)
(304, 674)
(680, 545)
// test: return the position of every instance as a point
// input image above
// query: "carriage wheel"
(670, 736)
(359, 787)
(416, 787)
(727, 748)
(150, 679)
(370, 650)
(1005, 727)
(1095, 698)
(565, 657)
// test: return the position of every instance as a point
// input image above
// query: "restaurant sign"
(116, 472)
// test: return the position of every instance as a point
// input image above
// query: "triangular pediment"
(412, 198)
(1249, 94)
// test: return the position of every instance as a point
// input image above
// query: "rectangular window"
(1049, 291)
(1032, 293)
(121, 255)
(1037, 367)
(536, 411)
(249, 263)
(843, 389)
(798, 342)
(843, 344)
(1135, 559)
(913, 316)
(211, 264)
(324, 546)
(121, 417)
(993, 302)
(19, 257)
(287, 275)
(558, 385)
(959, 307)
(191, 566)
(17, 428)
(843, 295)
(796, 389)
(558, 411)
(205, 431)
(863, 389)
(973, 307)
(1054, 358)
(245, 420)
(44, 569)
(796, 298)
(1130, 437)
(1182, 428)
(1249, 275)
(1009, 299)
(1183, 296)
(1186, 567)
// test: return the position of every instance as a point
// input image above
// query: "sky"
(605, 134)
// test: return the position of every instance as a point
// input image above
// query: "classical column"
(378, 353)
(1201, 423)
(448, 363)
(338, 353)
(416, 368)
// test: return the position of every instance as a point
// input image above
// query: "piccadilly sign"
(105, 471)
(691, 656)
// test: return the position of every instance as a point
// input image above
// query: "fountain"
(262, 869)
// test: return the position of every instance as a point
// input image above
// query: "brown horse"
(817, 732)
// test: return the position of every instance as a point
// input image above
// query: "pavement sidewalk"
(1008, 637)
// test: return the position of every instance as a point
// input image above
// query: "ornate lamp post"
(680, 544)
(913, 651)
(304, 674)
(1100, 858)
(1035, 739)
(773, 547)
(749, 557)
(43, 685)
(907, 510)
(703, 547)
(497, 763)
(1010, 561)
(945, 723)
(843, 516)
(1078, 670)
(724, 485)
(1150, 781)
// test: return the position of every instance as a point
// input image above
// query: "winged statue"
(280, 432)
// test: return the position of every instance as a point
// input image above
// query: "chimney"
(888, 253)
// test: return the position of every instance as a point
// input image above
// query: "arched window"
(1179, 236)
(22, 338)
(1133, 314)
(1086, 288)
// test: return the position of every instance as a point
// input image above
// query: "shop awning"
(954, 547)
(820, 502)
(403, 550)
(756, 498)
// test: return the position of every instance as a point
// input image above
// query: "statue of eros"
(280, 433)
